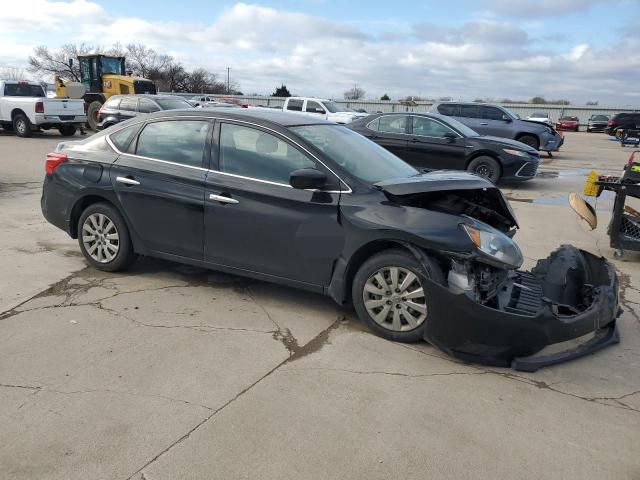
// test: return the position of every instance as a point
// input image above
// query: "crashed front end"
(489, 311)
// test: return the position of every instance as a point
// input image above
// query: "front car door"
(390, 132)
(493, 122)
(159, 180)
(432, 144)
(470, 116)
(314, 109)
(255, 221)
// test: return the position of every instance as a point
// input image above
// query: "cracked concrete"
(169, 371)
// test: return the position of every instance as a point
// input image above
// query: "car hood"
(436, 181)
(507, 142)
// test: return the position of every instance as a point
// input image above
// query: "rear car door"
(159, 181)
(433, 144)
(255, 221)
(391, 132)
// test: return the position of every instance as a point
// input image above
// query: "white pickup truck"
(319, 107)
(24, 107)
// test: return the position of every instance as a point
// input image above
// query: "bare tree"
(56, 62)
(354, 93)
(174, 77)
(145, 61)
(12, 73)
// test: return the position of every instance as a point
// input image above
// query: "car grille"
(630, 228)
(528, 170)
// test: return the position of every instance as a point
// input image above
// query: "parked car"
(597, 123)
(123, 107)
(568, 122)
(428, 140)
(198, 100)
(310, 204)
(498, 121)
(220, 105)
(541, 117)
(623, 121)
(25, 108)
(321, 108)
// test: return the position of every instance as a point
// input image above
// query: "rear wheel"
(487, 167)
(92, 114)
(388, 294)
(67, 130)
(104, 238)
(22, 125)
(530, 140)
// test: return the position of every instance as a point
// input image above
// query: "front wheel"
(388, 294)
(487, 167)
(104, 238)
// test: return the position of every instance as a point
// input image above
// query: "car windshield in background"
(357, 155)
(23, 90)
(172, 103)
(461, 127)
(600, 118)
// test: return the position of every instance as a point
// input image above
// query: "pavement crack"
(393, 374)
(26, 387)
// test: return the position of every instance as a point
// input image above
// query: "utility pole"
(228, 84)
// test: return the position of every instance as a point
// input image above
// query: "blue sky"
(576, 49)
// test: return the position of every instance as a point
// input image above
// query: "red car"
(568, 123)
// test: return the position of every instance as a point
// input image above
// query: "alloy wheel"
(394, 299)
(21, 126)
(100, 237)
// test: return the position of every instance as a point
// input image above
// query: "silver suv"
(500, 122)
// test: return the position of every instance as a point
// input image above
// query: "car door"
(493, 122)
(314, 109)
(432, 144)
(159, 180)
(127, 108)
(390, 132)
(255, 221)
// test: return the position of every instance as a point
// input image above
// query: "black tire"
(22, 125)
(486, 166)
(92, 114)
(124, 256)
(403, 260)
(67, 130)
(530, 140)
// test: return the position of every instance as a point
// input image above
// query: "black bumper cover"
(510, 337)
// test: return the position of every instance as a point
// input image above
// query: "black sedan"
(310, 204)
(438, 142)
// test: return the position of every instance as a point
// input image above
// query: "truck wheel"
(67, 130)
(529, 140)
(92, 114)
(22, 125)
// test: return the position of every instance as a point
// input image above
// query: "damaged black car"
(313, 205)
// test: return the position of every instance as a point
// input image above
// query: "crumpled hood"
(436, 181)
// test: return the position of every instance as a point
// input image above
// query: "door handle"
(222, 199)
(414, 140)
(127, 181)
(484, 123)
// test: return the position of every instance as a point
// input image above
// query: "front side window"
(427, 127)
(449, 109)
(147, 106)
(392, 124)
(295, 105)
(314, 107)
(493, 113)
(252, 153)
(178, 141)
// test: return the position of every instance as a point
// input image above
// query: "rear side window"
(449, 109)
(122, 138)
(128, 104)
(113, 102)
(295, 105)
(178, 141)
(392, 124)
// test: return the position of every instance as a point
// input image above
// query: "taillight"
(53, 160)
(611, 123)
(39, 107)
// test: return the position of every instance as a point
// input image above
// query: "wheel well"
(525, 134)
(79, 207)
(15, 112)
(92, 97)
(484, 154)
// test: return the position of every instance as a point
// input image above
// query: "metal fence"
(583, 112)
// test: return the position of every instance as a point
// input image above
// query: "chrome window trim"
(112, 145)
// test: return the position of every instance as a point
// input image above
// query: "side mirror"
(307, 178)
(450, 136)
(507, 118)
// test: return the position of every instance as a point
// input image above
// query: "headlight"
(518, 153)
(496, 245)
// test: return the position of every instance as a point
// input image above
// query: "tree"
(146, 62)
(538, 101)
(174, 77)
(12, 73)
(354, 93)
(45, 62)
(385, 98)
(281, 91)
(593, 103)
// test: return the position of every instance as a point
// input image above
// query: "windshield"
(23, 90)
(539, 115)
(111, 65)
(172, 103)
(333, 107)
(459, 126)
(600, 118)
(357, 155)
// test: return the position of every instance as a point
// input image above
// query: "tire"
(22, 125)
(101, 221)
(92, 114)
(67, 130)
(408, 324)
(530, 140)
(486, 166)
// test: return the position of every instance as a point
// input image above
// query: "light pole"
(228, 87)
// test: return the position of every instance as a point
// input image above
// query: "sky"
(580, 50)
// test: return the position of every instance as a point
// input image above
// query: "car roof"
(144, 95)
(256, 114)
